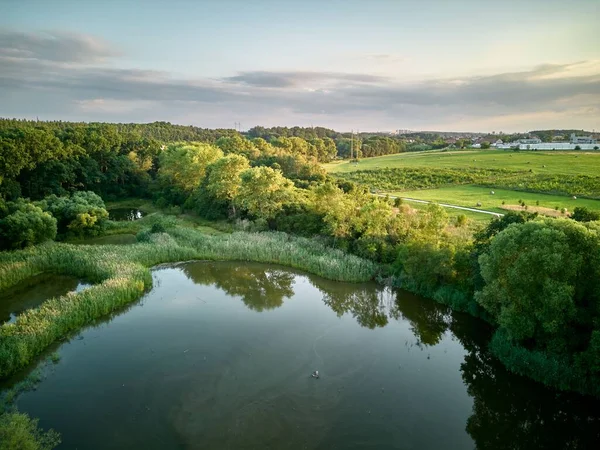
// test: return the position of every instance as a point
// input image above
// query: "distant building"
(530, 140)
(498, 143)
(582, 139)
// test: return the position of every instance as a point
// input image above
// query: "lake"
(219, 355)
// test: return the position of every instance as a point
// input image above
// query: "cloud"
(299, 78)
(63, 76)
(54, 46)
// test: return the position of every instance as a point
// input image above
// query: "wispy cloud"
(300, 79)
(55, 46)
(65, 73)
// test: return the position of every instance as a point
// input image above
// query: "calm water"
(125, 214)
(219, 356)
(33, 292)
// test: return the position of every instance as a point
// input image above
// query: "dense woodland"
(536, 280)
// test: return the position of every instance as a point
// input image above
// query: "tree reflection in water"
(259, 287)
(509, 411)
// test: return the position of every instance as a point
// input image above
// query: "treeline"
(115, 160)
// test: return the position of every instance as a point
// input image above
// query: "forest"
(536, 280)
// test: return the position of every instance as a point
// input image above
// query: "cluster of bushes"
(409, 178)
(24, 223)
(536, 280)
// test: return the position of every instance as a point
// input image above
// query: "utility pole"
(357, 150)
(351, 143)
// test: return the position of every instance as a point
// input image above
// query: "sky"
(371, 65)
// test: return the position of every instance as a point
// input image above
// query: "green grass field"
(568, 163)
(469, 196)
(539, 163)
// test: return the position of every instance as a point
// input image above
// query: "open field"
(469, 196)
(454, 213)
(566, 163)
(466, 178)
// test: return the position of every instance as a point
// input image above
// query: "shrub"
(19, 431)
(158, 227)
(583, 214)
(83, 213)
(23, 224)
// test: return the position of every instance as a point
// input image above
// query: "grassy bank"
(121, 275)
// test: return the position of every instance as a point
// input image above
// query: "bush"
(23, 224)
(18, 431)
(583, 214)
(81, 214)
(158, 227)
(542, 290)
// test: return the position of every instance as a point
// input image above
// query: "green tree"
(541, 283)
(23, 224)
(183, 166)
(583, 214)
(83, 213)
(239, 145)
(264, 191)
(19, 432)
(223, 179)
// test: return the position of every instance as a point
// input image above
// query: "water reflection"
(370, 306)
(511, 412)
(33, 291)
(259, 288)
(211, 374)
(429, 320)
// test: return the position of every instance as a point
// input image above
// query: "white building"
(530, 140)
(582, 139)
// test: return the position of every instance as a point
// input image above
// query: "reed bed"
(121, 275)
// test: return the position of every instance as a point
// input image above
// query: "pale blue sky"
(375, 65)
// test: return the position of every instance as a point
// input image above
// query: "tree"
(264, 191)
(223, 179)
(485, 145)
(18, 431)
(583, 214)
(541, 283)
(183, 166)
(239, 145)
(340, 210)
(23, 224)
(83, 213)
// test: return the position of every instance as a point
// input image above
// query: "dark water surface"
(33, 292)
(125, 214)
(219, 356)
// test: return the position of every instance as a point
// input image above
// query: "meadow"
(545, 181)
(470, 196)
(559, 163)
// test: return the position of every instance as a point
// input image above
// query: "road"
(495, 214)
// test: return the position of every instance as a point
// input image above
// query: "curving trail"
(464, 208)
